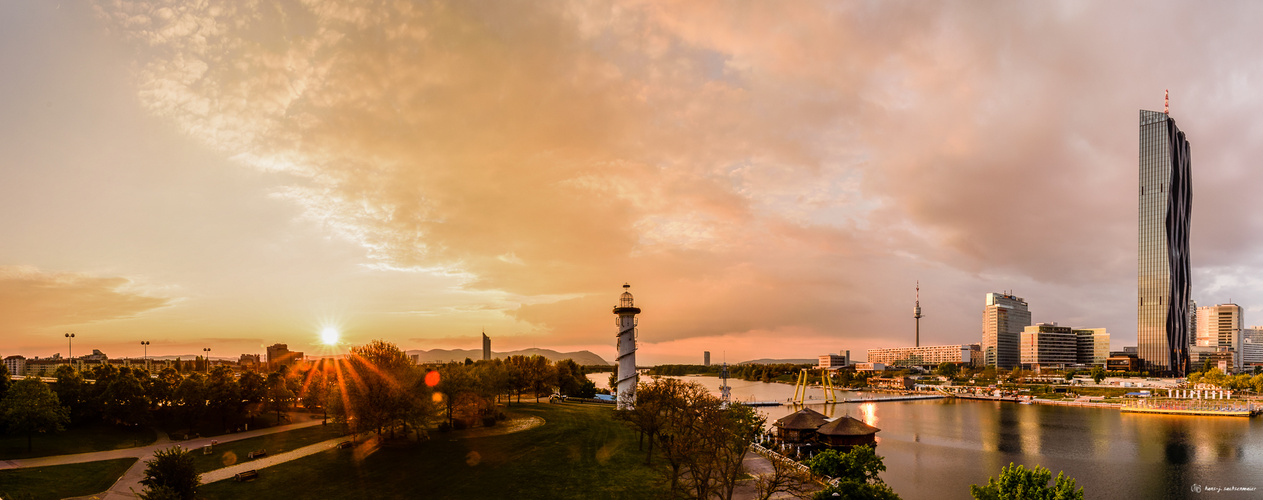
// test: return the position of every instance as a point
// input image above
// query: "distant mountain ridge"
(445, 355)
(767, 361)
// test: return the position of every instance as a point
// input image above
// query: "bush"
(445, 427)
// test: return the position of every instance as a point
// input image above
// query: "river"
(937, 448)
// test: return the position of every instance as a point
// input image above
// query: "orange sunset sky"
(772, 178)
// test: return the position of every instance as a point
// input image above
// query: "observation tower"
(626, 360)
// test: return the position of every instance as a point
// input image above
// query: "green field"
(83, 439)
(62, 481)
(580, 452)
(235, 452)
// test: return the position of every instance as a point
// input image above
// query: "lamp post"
(207, 349)
(146, 344)
(70, 352)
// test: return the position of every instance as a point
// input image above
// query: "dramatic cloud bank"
(756, 171)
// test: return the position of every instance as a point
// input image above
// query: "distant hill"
(766, 361)
(445, 355)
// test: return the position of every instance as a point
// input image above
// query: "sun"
(329, 336)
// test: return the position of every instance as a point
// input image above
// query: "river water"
(937, 448)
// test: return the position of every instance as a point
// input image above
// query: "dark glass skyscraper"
(1163, 289)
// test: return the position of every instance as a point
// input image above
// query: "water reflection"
(936, 449)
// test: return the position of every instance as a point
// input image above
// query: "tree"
(846, 490)
(860, 465)
(785, 477)
(30, 406)
(223, 395)
(171, 469)
(947, 369)
(253, 392)
(5, 382)
(1016, 482)
(191, 395)
(278, 394)
(1098, 374)
(124, 400)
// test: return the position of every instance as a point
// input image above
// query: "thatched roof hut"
(845, 432)
(799, 426)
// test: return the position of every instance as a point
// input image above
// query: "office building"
(279, 355)
(1047, 345)
(1252, 346)
(705, 358)
(486, 347)
(833, 361)
(1219, 326)
(1003, 319)
(924, 356)
(1092, 346)
(1163, 285)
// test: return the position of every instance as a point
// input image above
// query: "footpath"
(129, 485)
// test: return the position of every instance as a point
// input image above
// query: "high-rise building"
(486, 347)
(1220, 326)
(1252, 345)
(1163, 285)
(279, 355)
(705, 358)
(1093, 346)
(1002, 322)
(1047, 344)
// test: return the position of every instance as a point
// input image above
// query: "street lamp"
(146, 344)
(207, 349)
(70, 353)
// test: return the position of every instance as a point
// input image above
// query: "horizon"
(773, 181)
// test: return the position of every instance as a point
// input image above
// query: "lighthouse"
(626, 360)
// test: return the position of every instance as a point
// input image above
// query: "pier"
(841, 401)
(1219, 408)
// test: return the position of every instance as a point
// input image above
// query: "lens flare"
(329, 336)
(432, 378)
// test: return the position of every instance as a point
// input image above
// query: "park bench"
(344, 445)
(246, 476)
(257, 453)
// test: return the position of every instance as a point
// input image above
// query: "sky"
(772, 179)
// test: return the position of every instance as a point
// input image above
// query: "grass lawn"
(62, 481)
(580, 452)
(82, 439)
(238, 451)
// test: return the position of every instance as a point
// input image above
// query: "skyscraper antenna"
(1166, 103)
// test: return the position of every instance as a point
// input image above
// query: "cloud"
(749, 168)
(32, 300)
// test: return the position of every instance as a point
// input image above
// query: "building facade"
(1163, 286)
(1252, 345)
(1048, 345)
(16, 364)
(930, 355)
(1092, 346)
(486, 347)
(705, 358)
(1003, 319)
(279, 355)
(1219, 326)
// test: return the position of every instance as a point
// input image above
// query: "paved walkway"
(127, 485)
(363, 448)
